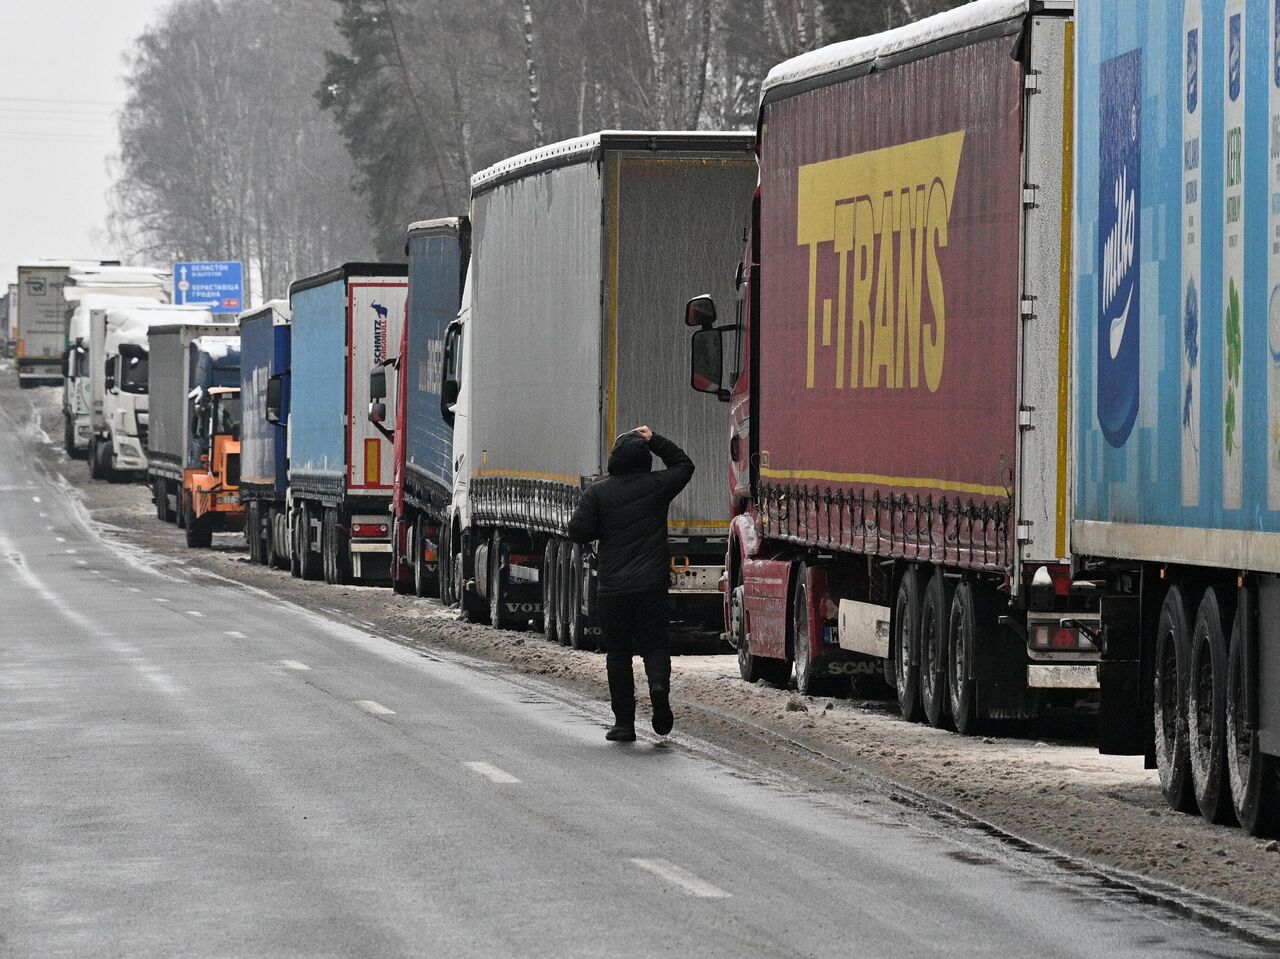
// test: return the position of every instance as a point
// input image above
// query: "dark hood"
(630, 455)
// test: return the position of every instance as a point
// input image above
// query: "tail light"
(369, 530)
(1056, 637)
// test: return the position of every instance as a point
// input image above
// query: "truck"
(1176, 516)
(194, 480)
(897, 379)
(107, 365)
(560, 346)
(87, 288)
(41, 321)
(8, 317)
(264, 441)
(438, 252)
(345, 322)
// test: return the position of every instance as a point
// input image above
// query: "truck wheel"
(934, 617)
(444, 581)
(199, 529)
(95, 460)
(69, 436)
(253, 531)
(905, 649)
(579, 638)
(310, 560)
(172, 515)
(752, 668)
(296, 544)
(1172, 658)
(498, 584)
(961, 633)
(162, 508)
(1254, 776)
(326, 549)
(808, 683)
(550, 588)
(425, 582)
(269, 555)
(1207, 710)
(564, 589)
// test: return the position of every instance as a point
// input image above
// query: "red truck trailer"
(898, 371)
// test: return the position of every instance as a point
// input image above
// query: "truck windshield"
(133, 373)
(227, 416)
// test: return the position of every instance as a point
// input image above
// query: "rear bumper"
(1062, 676)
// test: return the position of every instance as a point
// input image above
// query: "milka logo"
(1117, 259)
(874, 224)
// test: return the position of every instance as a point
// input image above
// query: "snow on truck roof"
(567, 151)
(280, 308)
(442, 223)
(861, 50)
(217, 348)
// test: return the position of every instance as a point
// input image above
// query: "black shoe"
(663, 720)
(621, 734)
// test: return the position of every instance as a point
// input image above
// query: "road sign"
(217, 286)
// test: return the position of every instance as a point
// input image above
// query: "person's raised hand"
(644, 432)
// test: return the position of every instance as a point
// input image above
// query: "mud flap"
(1122, 730)
(1000, 664)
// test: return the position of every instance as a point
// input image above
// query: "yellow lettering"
(935, 342)
(911, 231)
(882, 350)
(863, 245)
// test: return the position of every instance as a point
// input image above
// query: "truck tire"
(564, 590)
(95, 460)
(444, 581)
(253, 531)
(905, 649)
(199, 529)
(549, 575)
(1207, 709)
(296, 544)
(1254, 776)
(271, 556)
(579, 636)
(425, 583)
(497, 573)
(334, 549)
(172, 515)
(162, 507)
(310, 560)
(69, 437)
(752, 668)
(1169, 679)
(808, 683)
(962, 633)
(935, 614)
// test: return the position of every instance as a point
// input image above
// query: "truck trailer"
(576, 249)
(264, 441)
(897, 382)
(116, 372)
(1176, 516)
(41, 320)
(438, 252)
(345, 322)
(186, 361)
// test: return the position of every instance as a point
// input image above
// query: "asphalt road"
(190, 767)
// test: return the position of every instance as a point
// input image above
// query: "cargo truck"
(264, 450)
(897, 372)
(438, 252)
(186, 360)
(345, 322)
(42, 321)
(1177, 380)
(114, 359)
(87, 288)
(8, 316)
(577, 249)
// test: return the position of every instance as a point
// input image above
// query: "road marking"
(70, 552)
(681, 878)
(491, 773)
(293, 664)
(196, 613)
(236, 634)
(82, 562)
(134, 589)
(159, 679)
(60, 539)
(35, 499)
(160, 599)
(374, 709)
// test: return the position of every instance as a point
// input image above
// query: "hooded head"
(630, 454)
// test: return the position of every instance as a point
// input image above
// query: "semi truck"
(264, 441)
(897, 372)
(438, 252)
(186, 361)
(345, 322)
(112, 363)
(85, 289)
(41, 321)
(561, 345)
(1176, 514)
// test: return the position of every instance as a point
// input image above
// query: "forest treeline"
(296, 134)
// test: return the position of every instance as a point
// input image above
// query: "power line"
(104, 103)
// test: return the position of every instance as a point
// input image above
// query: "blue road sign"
(217, 286)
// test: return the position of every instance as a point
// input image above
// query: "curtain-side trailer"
(265, 336)
(1177, 379)
(344, 323)
(898, 403)
(577, 249)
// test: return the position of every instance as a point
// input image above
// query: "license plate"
(831, 635)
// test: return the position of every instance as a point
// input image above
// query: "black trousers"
(635, 623)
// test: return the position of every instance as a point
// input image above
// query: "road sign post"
(219, 287)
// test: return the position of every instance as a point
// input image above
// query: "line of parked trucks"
(1001, 365)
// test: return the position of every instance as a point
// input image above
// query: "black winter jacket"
(627, 512)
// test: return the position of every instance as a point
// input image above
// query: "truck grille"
(233, 470)
(142, 435)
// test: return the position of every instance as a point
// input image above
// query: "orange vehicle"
(211, 492)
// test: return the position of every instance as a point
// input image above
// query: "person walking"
(627, 513)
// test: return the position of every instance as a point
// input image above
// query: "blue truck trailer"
(438, 252)
(1177, 390)
(345, 322)
(264, 449)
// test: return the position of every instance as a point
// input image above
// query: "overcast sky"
(61, 63)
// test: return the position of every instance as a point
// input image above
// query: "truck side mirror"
(275, 389)
(109, 374)
(700, 312)
(378, 383)
(707, 362)
(450, 381)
